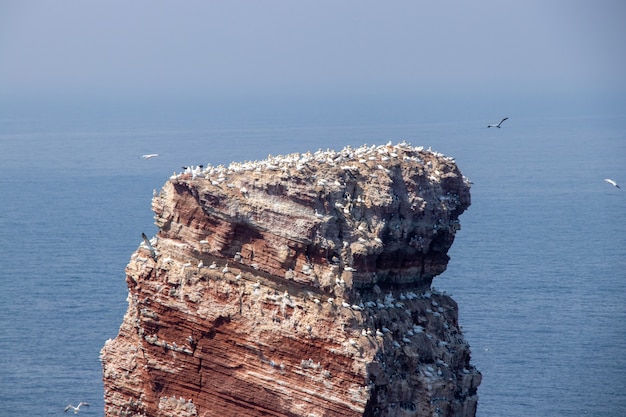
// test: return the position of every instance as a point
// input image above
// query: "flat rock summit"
(299, 285)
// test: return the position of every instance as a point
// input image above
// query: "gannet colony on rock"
(353, 158)
(318, 297)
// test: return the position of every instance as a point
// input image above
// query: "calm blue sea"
(538, 269)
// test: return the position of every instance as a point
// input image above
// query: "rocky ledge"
(297, 286)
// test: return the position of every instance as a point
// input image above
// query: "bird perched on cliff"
(75, 409)
(613, 183)
(498, 125)
(150, 155)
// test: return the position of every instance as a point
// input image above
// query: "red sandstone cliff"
(297, 286)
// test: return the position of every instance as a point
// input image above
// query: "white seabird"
(150, 155)
(498, 125)
(613, 183)
(75, 409)
(149, 246)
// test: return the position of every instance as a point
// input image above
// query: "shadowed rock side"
(297, 286)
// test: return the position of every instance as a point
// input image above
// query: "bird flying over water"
(150, 155)
(498, 125)
(613, 183)
(75, 409)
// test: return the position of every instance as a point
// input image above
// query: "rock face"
(297, 286)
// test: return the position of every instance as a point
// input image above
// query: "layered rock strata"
(297, 286)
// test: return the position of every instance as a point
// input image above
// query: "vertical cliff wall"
(297, 286)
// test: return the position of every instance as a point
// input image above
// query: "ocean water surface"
(538, 269)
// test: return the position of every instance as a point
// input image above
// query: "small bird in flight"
(498, 125)
(150, 155)
(75, 409)
(613, 183)
(148, 245)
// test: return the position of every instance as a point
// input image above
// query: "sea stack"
(299, 285)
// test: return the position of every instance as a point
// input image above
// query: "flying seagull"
(150, 155)
(613, 183)
(75, 409)
(149, 246)
(498, 125)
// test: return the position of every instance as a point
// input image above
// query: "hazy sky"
(237, 46)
